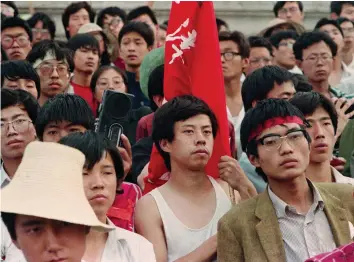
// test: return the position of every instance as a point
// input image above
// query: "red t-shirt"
(86, 93)
(144, 128)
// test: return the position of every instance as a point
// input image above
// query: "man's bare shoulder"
(146, 206)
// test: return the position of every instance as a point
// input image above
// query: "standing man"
(76, 15)
(43, 27)
(342, 9)
(294, 219)
(289, 10)
(16, 38)
(52, 65)
(260, 53)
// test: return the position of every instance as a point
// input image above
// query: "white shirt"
(8, 248)
(296, 70)
(339, 178)
(236, 121)
(5, 179)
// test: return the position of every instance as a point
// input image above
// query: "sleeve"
(141, 156)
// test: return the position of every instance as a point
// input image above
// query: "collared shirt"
(304, 235)
(5, 179)
(339, 178)
(123, 245)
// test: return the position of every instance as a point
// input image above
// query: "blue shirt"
(134, 88)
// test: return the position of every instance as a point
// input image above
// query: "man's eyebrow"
(32, 223)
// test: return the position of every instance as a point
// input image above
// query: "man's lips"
(201, 151)
(14, 142)
(98, 197)
(132, 56)
(55, 85)
(90, 64)
(16, 53)
(289, 162)
(321, 145)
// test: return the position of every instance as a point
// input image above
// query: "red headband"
(273, 122)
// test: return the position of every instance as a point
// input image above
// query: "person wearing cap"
(293, 219)
(97, 32)
(103, 175)
(45, 209)
(278, 24)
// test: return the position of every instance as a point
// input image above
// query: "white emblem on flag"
(186, 41)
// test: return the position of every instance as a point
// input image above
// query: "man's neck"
(294, 192)
(233, 88)
(347, 57)
(11, 165)
(134, 70)
(319, 172)
(321, 87)
(42, 99)
(188, 182)
(81, 78)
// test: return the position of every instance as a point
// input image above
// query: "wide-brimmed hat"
(48, 184)
(276, 22)
(89, 28)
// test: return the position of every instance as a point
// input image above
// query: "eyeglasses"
(259, 60)
(40, 31)
(20, 125)
(8, 41)
(229, 55)
(104, 83)
(115, 22)
(315, 58)
(287, 44)
(292, 10)
(349, 30)
(273, 142)
(48, 69)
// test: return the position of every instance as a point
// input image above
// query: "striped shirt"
(304, 235)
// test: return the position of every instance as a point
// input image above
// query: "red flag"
(193, 66)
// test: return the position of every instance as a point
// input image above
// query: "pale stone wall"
(249, 17)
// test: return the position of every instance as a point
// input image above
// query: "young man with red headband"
(293, 219)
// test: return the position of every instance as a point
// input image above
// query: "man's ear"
(254, 103)
(158, 100)
(150, 47)
(16, 244)
(254, 160)
(245, 64)
(165, 145)
(334, 16)
(299, 64)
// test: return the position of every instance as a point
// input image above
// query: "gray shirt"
(304, 235)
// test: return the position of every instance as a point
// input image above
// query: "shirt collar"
(5, 179)
(280, 206)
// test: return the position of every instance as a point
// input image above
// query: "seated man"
(323, 119)
(19, 74)
(45, 208)
(273, 226)
(189, 205)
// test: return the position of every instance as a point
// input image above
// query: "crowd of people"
(68, 193)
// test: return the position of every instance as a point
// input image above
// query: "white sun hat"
(48, 184)
(89, 28)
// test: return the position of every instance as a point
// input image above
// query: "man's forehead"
(14, 31)
(228, 44)
(317, 47)
(279, 129)
(15, 110)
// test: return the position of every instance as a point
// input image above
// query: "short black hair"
(103, 69)
(65, 107)
(141, 28)
(178, 109)
(14, 70)
(301, 83)
(281, 35)
(238, 38)
(220, 23)
(94, 146)
(83, 41)
(155, 85)
(325, 21)
(40, 49)
(308, 39)
(12, 5)
(308, 102)
(20, 97)
(9, 220)
(3, 55)
(341, 20)
(74, 8)
(12, 22)
(259, 41)
(142, 10)
(48, 23)
(261, 81)
(336, 6)
(263, 111)
(279, 5)
(113, 11)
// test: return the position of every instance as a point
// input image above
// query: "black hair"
(281, 35)
(65, 107)
(178, 109)
(14, 70)
(336, 6)
(94, 146)
(141, 28)
(155, 85)
(325, 21)
(308, 39)
(48, 23)
(259, 41)
(220, 23)
(40, 49)
(163, 27)
(142, 10)
(20, 97)
(3, 55)
(341, 20)
(308, 102)
(263, 111)
(12, 22)
(61, 43)
(279, 5)
(103, 69)
(9, 221)
(83, 41)
(238, 38)
(261, 81)
(301, 83)
(74, 8)
(113, 11)
(12, 5)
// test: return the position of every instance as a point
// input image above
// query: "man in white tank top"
(180, 218)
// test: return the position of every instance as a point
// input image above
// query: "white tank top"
(180, 239)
